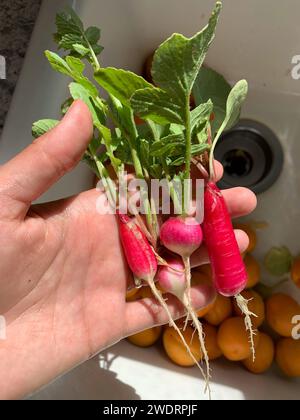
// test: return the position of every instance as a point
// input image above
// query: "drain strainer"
(252, 156)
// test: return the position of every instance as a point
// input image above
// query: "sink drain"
(251, 155)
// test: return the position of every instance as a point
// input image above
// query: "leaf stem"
(95, 60)
(140, 175)
(138, 170)
(188, 154)
(108, 183)
(173, 193)
(175, 199)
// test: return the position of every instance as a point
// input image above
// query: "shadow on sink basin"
(89, 381)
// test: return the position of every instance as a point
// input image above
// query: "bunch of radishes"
(182, 235)
(171, 138)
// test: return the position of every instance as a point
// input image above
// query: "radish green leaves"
(175, 67)
(120, 83)
(156, 105)
(170, 133)
(178, 60)
(39, 128)
(72, 37)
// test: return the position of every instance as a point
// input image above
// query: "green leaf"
(123, 116)
(88, 85)
(122, 151)
(97, 49)
(88, 160)
(166, 145)
(155, 171)
(202, 136)
(72, 67)
(105, 133)
(108, 142)
(197, 149)
(81, 49)
(162, 150)
(158, 131)
(79, 92)
(144, 147)
(66, 105)
(72, 37)
(144, 131)
(67, 41)
(95, 145)
(93, 34)
(212, 85)
(234, 103)
(200, 115)
(120, 83)
(278, 261)
(176, 129)
(178, 60)
(41, 127)
(75, 64)
(155, 104)
(178, 161)
(116, 162)
(77, 68)
(58, 63)
(68, 23)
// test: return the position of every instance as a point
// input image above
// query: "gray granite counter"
(17, 18)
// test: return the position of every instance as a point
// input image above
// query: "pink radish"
(229, 272)
(182, 235)
(172, 279)
(143, 264)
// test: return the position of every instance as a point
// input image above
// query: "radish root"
(198, 327)
(243, 306)
(188, 279)
(172, 323)
(191, 314)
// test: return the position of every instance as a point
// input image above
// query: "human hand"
(63, 278)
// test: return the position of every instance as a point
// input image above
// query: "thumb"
(31, 173)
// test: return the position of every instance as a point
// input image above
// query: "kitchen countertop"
(17, 19)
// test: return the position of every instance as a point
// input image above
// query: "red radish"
(182, 235)
(143, 264)
(172, 279)
(229, 272)
(139, 254)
